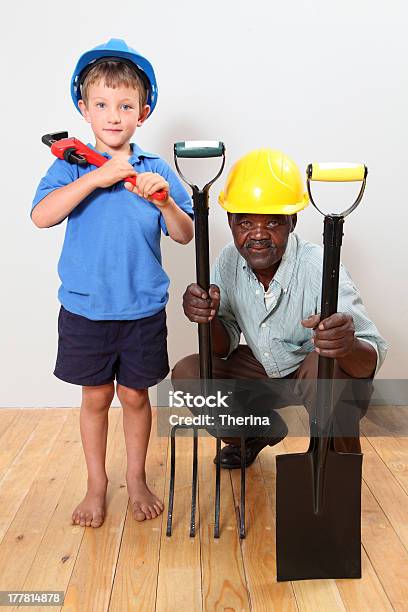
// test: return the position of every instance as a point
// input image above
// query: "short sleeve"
(59, 174)
(177, 192)
(225, 312)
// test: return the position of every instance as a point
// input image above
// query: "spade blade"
(326, 544)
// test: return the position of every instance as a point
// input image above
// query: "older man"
(267, 286)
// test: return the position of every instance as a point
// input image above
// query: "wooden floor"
(133, 566)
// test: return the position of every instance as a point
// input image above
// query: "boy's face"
(114, 115)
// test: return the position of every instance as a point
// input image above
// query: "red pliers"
(74, 151)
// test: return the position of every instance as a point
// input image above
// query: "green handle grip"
(199, 148)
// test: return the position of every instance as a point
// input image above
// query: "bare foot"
(91, 511)
(144, 503)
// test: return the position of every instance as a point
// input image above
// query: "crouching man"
(266, 284)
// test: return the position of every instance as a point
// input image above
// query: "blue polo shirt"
(110, 265)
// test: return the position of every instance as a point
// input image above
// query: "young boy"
(112, 322)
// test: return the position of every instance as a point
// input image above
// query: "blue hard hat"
(115, 48)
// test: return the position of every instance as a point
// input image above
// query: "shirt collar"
(284, 273)
(137, 153)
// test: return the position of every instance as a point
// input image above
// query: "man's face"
(261, 239)
(114, 114)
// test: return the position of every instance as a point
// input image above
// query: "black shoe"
(230, 455)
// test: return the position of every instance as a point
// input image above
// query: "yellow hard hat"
(264, 181)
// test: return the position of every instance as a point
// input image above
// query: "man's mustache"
(266, 244)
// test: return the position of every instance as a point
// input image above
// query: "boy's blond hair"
(115, 74)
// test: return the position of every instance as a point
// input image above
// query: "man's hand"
(334, 337)
(147, 184)
(200, 307)
(114, 170)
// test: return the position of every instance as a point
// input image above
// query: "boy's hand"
(113, 171)
(147, 184)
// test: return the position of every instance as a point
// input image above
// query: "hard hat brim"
(272, 209)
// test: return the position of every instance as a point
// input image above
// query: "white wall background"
(320, 80)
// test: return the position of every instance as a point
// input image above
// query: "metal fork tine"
(194, 483)
(242, 501)
(172, 478)
(217, 489)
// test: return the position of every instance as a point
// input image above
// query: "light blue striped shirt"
(274, 333)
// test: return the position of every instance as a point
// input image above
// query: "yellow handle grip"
(335, 171)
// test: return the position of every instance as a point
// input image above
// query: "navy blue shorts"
(97, 352)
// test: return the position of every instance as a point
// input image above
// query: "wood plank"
(366, 594)
(258, 549)
(386, 489)
(19, 546)
(137, 569)
(267, 460)
(7, 418)
(56, 555)
(16, 436)
(179, 579)
(394, 453)
(27, 464)
(223, 574)
(386, 421)
(93, 574)
(317, 595)
(385, 551)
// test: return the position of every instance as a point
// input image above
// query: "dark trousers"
(349, 406)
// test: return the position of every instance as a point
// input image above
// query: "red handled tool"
(74, 151)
